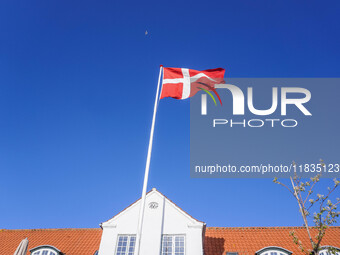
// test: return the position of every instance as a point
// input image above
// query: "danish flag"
(182, 83)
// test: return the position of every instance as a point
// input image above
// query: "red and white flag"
(182, 83)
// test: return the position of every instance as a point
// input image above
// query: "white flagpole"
(147, 167)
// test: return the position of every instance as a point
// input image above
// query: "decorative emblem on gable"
(153, 205)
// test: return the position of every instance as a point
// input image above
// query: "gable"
(153, 197)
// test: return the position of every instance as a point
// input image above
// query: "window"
(273, 250)
(328, 250)
(126, 245)
(173, 245)
(274, 253)
(45, 250)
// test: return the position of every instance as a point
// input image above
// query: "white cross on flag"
(182, 83)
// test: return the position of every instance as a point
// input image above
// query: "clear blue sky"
(77, 83)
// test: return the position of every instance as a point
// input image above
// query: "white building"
(165, 226)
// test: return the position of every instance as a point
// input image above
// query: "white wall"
(167, 218)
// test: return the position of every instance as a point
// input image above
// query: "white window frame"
(173, 242)
(51, 250)
(324, 251)
(273, 250)
(127, 244)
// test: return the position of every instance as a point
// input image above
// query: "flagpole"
(147, 167)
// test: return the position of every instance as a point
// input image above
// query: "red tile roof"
(69, 241)
(247, 241)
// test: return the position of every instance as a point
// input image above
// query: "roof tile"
(244, 240)
(69, 241)
(249, 240)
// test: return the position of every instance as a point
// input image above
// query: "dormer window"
(329, 250)
(45, 250)
(273, 250)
